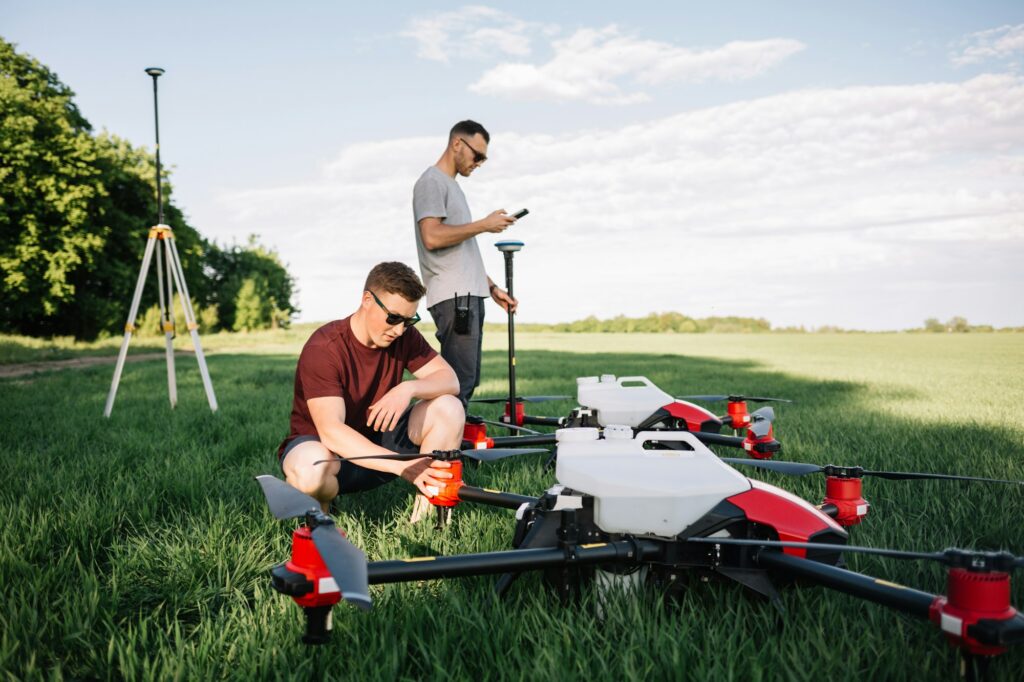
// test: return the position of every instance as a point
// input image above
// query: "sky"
(858, 165)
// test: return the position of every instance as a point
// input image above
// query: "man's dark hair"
(395, 278)
(469, 129)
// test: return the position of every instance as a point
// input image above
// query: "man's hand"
(384, 414)
(497, 221)
(426, 472)
(501, 297)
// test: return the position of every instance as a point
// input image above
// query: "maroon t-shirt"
(334, 363)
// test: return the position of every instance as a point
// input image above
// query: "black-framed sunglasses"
(394, 318)
(477, 156)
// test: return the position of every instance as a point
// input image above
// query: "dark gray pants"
(461, 351)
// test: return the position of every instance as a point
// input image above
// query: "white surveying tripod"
(161, 240)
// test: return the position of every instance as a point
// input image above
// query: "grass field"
(137, 547)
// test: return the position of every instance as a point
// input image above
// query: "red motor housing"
(476, 435)
(845, 495)
(737, 411)
(750, 443)
(520, 415)
(972, 596)
(448, 496)
(306, 561)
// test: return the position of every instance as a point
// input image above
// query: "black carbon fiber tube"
(429, 568)
(905, 599)
(468, 493)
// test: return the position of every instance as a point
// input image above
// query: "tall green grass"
(137, 547)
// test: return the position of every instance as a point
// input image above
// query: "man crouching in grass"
(350, 399)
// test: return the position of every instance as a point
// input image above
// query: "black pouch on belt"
(461, 325)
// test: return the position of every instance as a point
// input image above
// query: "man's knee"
(447, 409)
(305, 476)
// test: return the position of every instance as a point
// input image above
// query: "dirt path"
(27, 368)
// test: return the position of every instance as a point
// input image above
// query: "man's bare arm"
(438, 235)
(329, 418)
(432, 379)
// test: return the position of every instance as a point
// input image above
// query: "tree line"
(75, 212)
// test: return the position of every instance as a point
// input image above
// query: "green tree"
(74, 212)
(267, 300)
(49, 180)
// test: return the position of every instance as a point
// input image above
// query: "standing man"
(350, 400)
(450, 261)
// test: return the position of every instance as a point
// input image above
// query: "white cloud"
(1003, 43)
(869, 207)
(593, 65)
(471, 32)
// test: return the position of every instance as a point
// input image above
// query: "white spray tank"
(644, 492)
(626, 400)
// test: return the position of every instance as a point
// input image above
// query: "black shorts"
(353, 478)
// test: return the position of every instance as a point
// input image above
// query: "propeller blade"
(891, 553)
(965, 558)
(801, 469)
(511, 427)
(545, 398)
(733, 398)
(482, 455)
(346, 562)
(398, 456)
(285, 502)
(492, 454)
(909, 475)
(761, 421)
(790, 468)
(522, 399)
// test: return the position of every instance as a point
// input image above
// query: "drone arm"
(985, 635)
(901, 598)
(539, 439)
(429, 568)
(468, 493)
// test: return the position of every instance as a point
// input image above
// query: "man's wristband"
(492, 288)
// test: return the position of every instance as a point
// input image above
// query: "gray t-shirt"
(455, 269)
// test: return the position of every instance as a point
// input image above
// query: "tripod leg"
(190, 320)
(130, 324)
(167, 317)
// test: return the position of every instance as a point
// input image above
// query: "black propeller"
(956, 558)
(802, 469)
(523, 399)
(733, 398)
(482, 455)
(345, 561)
(512, 427)
(761, 421)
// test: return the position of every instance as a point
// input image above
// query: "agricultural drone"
(658, 508)
(638, 403)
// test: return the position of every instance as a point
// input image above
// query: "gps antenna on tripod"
(175, 278)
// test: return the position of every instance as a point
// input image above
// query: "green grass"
(137, 547)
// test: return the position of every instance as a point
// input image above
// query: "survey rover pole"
(509, 248)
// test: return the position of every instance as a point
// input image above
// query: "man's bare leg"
(435, 424)
(318, 481)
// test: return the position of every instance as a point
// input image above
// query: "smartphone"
(519, 214)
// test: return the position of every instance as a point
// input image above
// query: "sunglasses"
(477, 156)
(394, 318)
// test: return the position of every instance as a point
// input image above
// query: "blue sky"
(814, 163)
